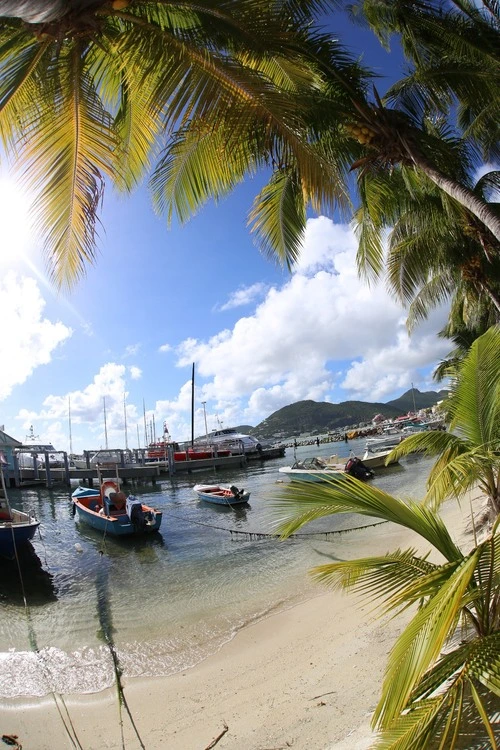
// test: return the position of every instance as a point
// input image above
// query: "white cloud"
(323, 320)
(108, 389)
(28, 339)
(131, 350)
(135, 372)
(165, 348)
(244, 296)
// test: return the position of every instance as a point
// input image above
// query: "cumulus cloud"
(324, 335)
(164, 348)
(107, 391)
(244, 296)
(29, 339)
(135, 372)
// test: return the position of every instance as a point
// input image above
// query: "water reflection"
(28, 579)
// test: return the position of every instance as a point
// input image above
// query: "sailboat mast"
(105, 423)
(192, 408)
(145, 426)
(69, 421)
(125, 420)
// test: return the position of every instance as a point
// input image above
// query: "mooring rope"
(275, 535)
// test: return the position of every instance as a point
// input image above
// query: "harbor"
(138, 471)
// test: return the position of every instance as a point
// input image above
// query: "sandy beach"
(305, 678)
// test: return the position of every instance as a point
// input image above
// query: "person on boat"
(115, 501)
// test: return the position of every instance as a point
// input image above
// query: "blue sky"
(158, 300)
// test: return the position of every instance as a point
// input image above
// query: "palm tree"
(89, 90)
(437, 250)
(444, 669)
(469, 452)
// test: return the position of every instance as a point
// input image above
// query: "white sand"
(307, 678)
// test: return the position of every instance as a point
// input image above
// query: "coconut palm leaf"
(302, 504)
(421, 642)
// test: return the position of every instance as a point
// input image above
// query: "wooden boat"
(16, 528)
(214, 493)
(116, 516)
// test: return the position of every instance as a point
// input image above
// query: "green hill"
(320, 417)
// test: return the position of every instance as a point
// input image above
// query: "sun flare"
(16, 240)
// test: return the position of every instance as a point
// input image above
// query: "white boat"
(214, 493)
(376, 459)
(320, 469)
(33, 453)
(230, 439)
(104, 457)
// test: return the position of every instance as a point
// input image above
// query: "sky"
(159, 300)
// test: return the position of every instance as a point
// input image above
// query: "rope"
(264, 535)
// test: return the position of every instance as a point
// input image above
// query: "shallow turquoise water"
(168, 601)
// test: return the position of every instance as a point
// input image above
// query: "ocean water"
(166, 602)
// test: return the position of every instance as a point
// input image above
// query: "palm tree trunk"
(459, 192)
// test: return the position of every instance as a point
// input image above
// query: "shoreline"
(305, 677)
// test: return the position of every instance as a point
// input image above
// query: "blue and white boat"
(214, 493)
(109, 511)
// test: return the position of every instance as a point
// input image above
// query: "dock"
(138, 472)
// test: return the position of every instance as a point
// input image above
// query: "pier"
(139, 471)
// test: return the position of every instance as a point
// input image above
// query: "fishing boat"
(110, 511)
(214, 493)
(16, 527)
(319, 469)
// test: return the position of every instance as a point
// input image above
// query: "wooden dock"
(134, 473)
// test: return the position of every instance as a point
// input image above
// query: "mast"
(145, 426)
(69, 422)
(413, 394)
(192, 408)
(125, 420)
(105, 423)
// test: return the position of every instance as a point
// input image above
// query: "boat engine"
(356, 468)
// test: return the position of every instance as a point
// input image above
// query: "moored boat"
(16, 527)
(214, 493)
(321, 470)
(110, 511)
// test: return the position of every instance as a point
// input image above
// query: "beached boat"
(214, 493)
(110, 511)
(320, 469)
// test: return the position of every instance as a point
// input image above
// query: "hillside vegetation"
(319, 417)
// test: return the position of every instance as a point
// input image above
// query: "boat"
(103, 457)
(32, 453)
(159, 451)
(110, 511)
(16, 527)
(376, 459)
(215, 493)
(319, 469)
(229, 438)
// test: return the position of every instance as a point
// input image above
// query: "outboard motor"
(138, 518)
(236, 492)
(356, 468)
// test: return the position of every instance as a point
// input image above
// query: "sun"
(17, 240)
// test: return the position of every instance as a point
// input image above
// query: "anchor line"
(265, 535)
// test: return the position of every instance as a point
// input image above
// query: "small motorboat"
(214, 493)
(320, 469)
(110, 511)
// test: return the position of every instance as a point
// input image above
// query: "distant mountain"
(319, 417)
